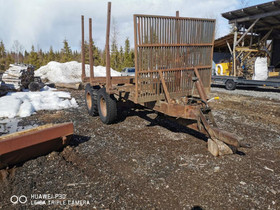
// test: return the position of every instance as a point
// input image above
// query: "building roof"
(220, 44)
(269, 14)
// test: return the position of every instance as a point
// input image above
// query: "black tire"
(91, 100)
(230, 84)
(107, 106)
(34, 86)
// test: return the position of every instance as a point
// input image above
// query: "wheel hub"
(103, 107)
(89, 101)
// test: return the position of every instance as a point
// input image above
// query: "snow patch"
(69, 72)
(26, 109)
(9, 106)
(24, 104)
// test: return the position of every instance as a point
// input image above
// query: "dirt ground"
(147, 162)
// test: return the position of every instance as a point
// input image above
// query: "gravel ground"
(145, 161)
(270, 93)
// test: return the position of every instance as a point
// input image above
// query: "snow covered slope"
(70, 72)
(23, 104)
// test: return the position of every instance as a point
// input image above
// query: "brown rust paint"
(22, 146)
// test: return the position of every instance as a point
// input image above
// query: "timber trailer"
(173, 58)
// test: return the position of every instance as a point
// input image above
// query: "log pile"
(18, 76)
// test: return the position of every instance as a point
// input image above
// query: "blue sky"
(48, 22)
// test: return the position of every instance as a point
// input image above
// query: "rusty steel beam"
(199, 86)
(176, 18)
(176, 45)
(178, 74)
(21, 146)
(136, 54)
(108, 64)
(216, 133)
(83, 50)
(176, 69)
(90, 51)
(166, 92)
(114, 80)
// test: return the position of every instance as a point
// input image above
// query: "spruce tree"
(51, 55)
(95, 53)
(2, 56)
(66, 53)
(128, 54)
(121, 58)
(103, 58)
(9, 60)
(115, 56)
(33, 58)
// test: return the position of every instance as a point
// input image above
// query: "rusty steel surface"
(19, 147)
(114, 80)
(216, 133)
(107, 47)
(83, 49)
(173, 62)
(166, 51)
(90, 51)
(199, 85)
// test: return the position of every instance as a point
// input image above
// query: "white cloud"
(48, 22)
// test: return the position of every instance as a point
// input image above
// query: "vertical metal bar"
(108, 65)
(90, 52)
(164, 87)
(212, 51)
(142, 36)
(234, 50)
(177, 73)
(177, 27)
(136, 58)
(140, 42)
(139, 37)
(199, 86)
(83, 50)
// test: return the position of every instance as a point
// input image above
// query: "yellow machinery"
(223, 69)
(273, 74)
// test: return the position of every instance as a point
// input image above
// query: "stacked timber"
(18, 76)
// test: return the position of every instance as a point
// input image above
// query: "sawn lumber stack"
(18, 76)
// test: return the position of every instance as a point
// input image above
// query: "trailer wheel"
(91, 100)
(107, 106)
(230, 84)
(34, 86)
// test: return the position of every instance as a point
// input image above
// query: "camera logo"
(18, 199)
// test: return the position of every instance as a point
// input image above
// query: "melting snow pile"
(69, 72)
(24, 104)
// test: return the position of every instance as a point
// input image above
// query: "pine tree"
(115, 57)
(103, 58)
(9, 60)
(95, 53)
(33, 58)
(50, 55)
(128, 54)
(2, 56)
(121, 58)
(66, 53)
(25, 57)
(115, 64)
(41, 58)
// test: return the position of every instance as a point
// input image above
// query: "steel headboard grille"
(172, 47)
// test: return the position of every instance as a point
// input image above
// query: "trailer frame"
(232, 82)
(173, 58)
